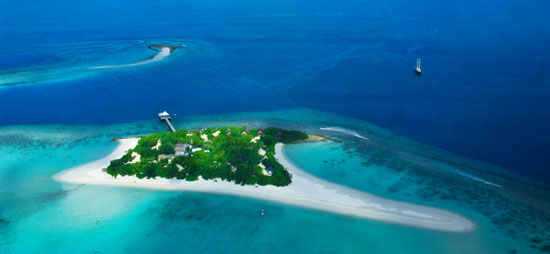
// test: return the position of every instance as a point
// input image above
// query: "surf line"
(475, 178)
(164, 52)
(460, 172)
(344, 131)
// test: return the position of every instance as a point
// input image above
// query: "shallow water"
(39, 213)
(72, 61)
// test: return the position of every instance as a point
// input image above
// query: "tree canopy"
(226, 153)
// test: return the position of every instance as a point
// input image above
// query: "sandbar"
(306, 190)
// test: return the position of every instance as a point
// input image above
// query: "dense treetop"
(234, 154)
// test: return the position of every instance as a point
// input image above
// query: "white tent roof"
(164, 114)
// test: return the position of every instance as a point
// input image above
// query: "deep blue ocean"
(481, 107)
(484, 92)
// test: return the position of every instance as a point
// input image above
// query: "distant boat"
(262, 212)
(417, 69)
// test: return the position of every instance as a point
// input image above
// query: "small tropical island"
(249, 163)
(235, 154)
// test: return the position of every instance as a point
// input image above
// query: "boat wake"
(164, 52)
(344, 131)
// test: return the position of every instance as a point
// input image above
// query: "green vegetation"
(234, 154)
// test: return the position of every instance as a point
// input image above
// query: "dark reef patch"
(4, 222)
(511, 209)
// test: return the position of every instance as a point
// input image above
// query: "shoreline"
(163, 53)
(305, 190)
(159, 47)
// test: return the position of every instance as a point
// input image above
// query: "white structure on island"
(164, 116)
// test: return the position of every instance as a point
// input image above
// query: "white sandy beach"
(306, 190)
(164, 52)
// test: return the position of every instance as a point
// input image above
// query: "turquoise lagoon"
(38, 214)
